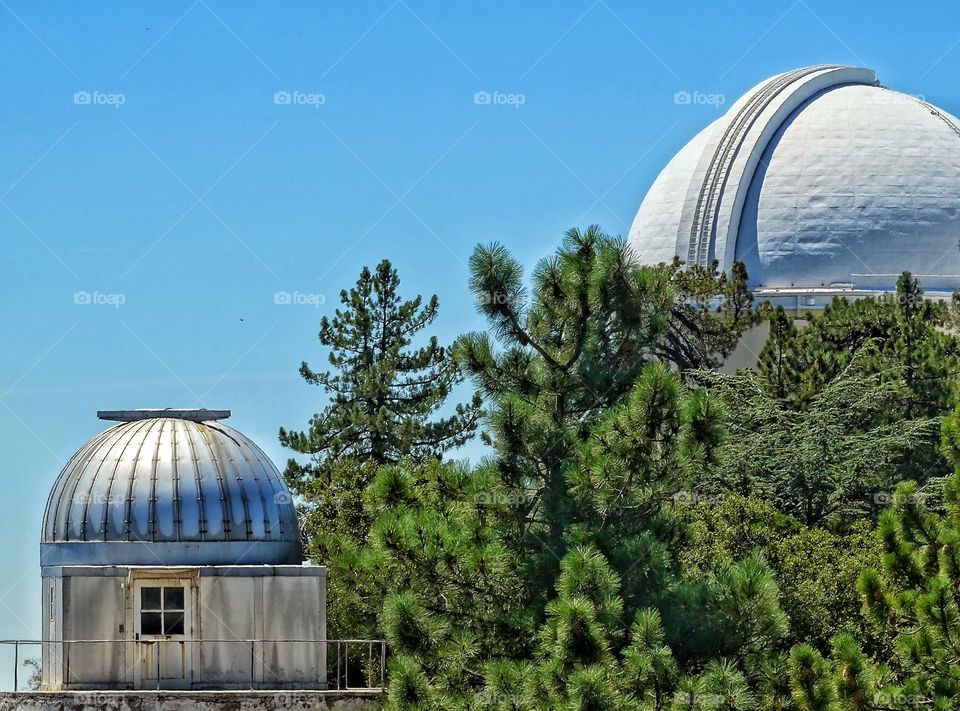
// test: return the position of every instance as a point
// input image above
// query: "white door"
(162, 626)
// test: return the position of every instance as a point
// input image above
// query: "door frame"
(185, 578)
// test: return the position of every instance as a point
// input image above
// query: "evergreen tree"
(383, 389)
(777, 359)
(913, 599)
(911, 338)
(573, 346)
(833, 460)
(384, 394)
(468, 619)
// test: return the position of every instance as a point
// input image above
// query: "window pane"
(150, 623)
(149, 598)
(173, 623)
(173, 598)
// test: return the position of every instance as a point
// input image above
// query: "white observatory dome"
(170, 487)
(821, 181)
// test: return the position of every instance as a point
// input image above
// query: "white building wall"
(261, 626)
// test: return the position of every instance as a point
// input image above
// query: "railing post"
(157, 649)
(383, 663)
(16, 665)
(251, 664)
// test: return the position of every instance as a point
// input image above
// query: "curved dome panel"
(816, 177)
(170, 490)
(858, 186)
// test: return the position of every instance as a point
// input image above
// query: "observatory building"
(171, 559)
(822, 182)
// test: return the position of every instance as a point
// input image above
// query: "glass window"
(150, 598)
(173, 598)
(173, 623)
(162, 610)
(150, 623)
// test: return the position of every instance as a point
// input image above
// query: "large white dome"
(821, 181)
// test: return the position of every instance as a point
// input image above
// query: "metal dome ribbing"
(170, 488)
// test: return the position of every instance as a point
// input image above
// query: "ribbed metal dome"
(170, 488)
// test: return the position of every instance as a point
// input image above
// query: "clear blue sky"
(177, 185)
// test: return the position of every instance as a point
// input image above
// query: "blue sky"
(151, 168)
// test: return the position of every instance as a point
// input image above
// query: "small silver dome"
(170, 487)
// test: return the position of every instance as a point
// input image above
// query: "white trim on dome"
(711, 216)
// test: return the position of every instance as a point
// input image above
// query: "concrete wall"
(250, 625)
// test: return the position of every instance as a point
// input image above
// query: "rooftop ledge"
(194, 415)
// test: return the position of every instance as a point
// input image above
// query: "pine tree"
(384, 394)
(574, 344)
(383, 389)
(913, 599)
(777, 359)
(829, 462)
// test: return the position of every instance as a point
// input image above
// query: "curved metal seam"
(704, 219)
(128, 503)
(264, 504)
(177, 508)
(153, 473)
(244, 499)
(198, 480)
(279, 488)
(936, 112)
(78, 475)
(61, 483)
(224, 501)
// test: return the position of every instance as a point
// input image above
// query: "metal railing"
(354, 665)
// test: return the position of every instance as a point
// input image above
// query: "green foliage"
(383, 390)
(911, 336)
(646, 533)
(624, 617)
(384, 393)
(571, 347)
(906, 341)
(830, 461)
(912, 599)
(816, 570)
